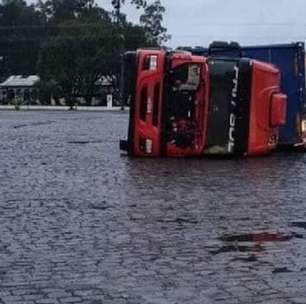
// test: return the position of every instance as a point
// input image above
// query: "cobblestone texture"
(79, 223)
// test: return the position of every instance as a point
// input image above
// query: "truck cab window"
(150, 63)
(186, 77)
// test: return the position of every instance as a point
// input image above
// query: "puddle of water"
(103, 206)
(37, 124)
(281, 270)
(179, 220)
(299, 224)
(232, 248)
(260, 237)
(78, 142)
(20, 126)
(251, 258)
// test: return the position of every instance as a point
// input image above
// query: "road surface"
(79, 223)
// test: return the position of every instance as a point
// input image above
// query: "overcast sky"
(198, 22)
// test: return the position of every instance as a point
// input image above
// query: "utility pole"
(117, 13)
(121, 96)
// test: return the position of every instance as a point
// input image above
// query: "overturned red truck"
(183, 105)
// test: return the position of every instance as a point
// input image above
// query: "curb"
(63, 108)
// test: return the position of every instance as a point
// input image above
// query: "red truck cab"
(183, 105)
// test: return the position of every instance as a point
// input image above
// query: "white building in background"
(25, 90)
(19, 87)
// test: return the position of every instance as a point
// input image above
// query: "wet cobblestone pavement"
(79, 223)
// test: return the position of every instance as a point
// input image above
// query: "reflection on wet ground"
(81, 223)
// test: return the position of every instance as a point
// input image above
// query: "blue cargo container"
(290, 59)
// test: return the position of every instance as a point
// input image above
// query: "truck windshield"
(182, 85)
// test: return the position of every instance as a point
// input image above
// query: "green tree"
(120, 18)
(87, 46)
(20, 37)
(70, 43)
(63, 10)
(79, 56)
(151, 20)
(18, 13)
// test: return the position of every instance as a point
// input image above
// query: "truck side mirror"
(278, 114)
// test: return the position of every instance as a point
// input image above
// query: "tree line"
(71, 44)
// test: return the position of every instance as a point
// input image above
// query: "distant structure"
(23, 89)
(106, 93)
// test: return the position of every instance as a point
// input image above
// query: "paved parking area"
(79, 223)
